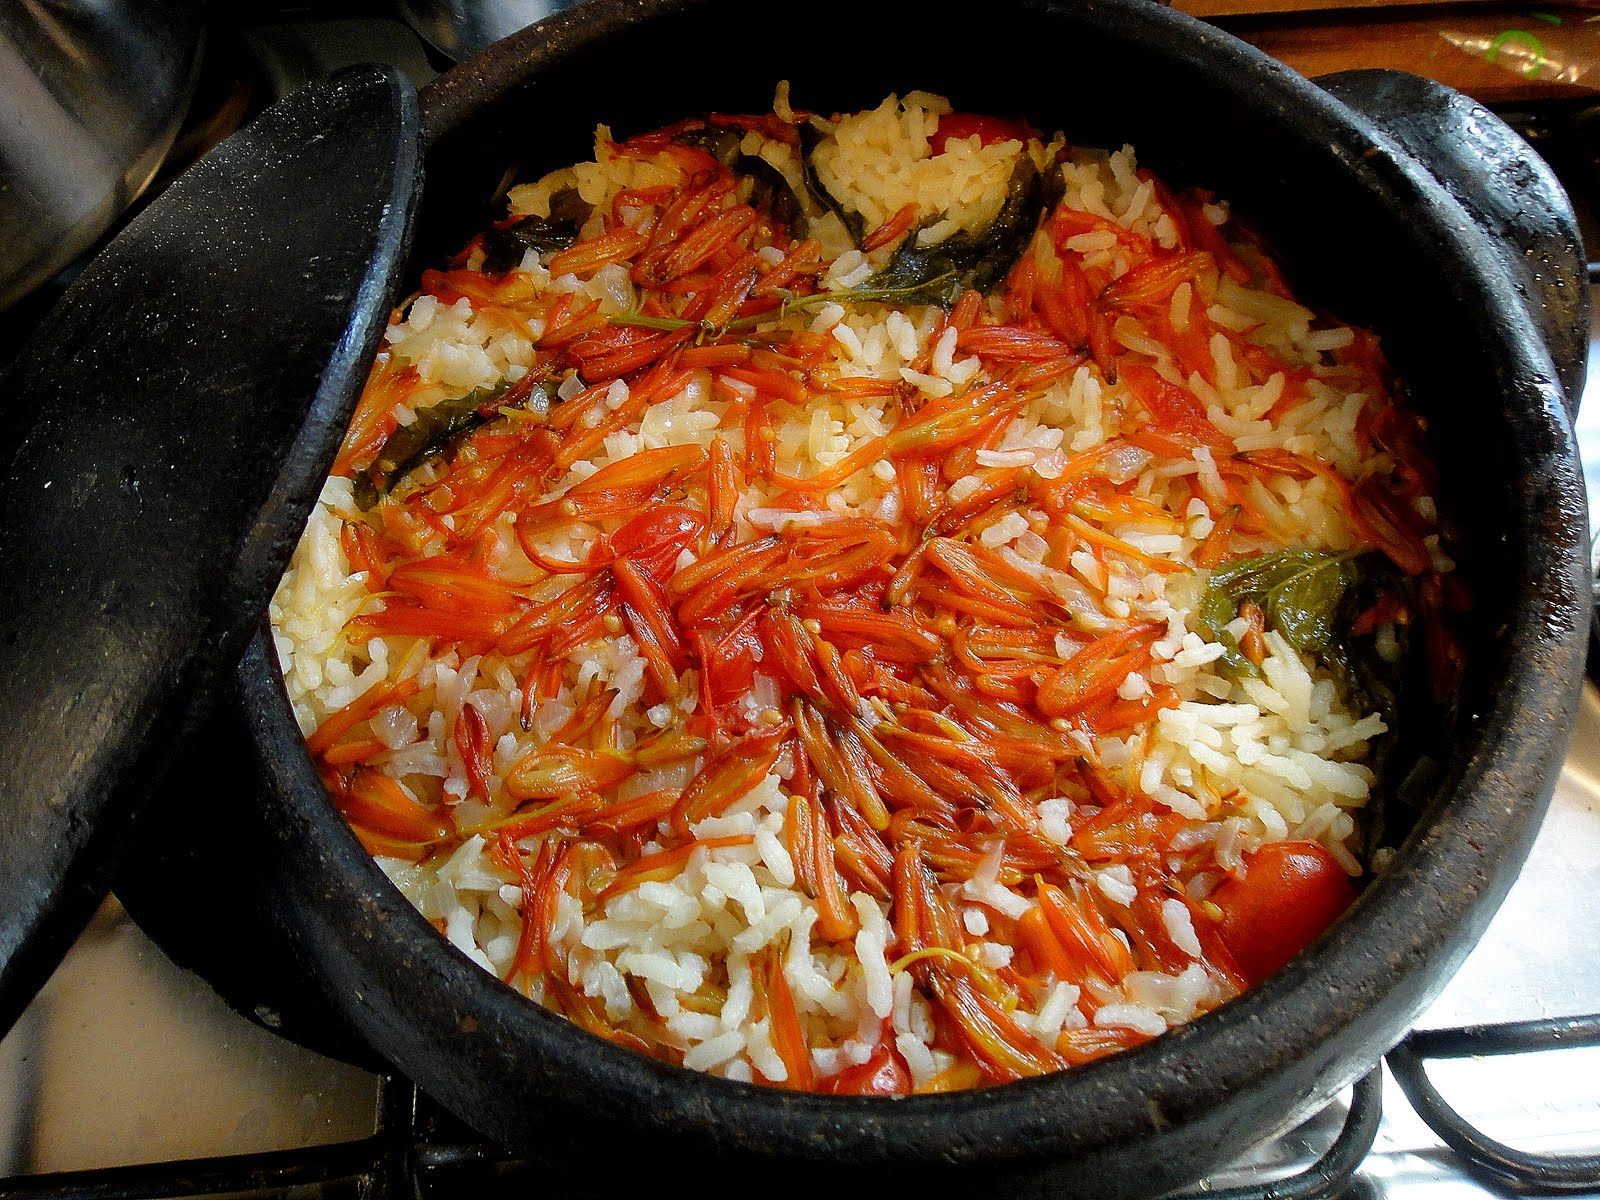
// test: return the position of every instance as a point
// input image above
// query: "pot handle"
(1504, 186)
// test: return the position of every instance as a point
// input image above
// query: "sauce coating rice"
(874, 604)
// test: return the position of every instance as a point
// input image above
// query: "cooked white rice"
(1239, 760)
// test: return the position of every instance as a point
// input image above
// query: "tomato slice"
(884, 1074)
(958, 125)
(1291, 892)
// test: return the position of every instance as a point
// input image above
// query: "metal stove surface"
(125, 1059)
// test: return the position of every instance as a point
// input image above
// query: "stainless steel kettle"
(92, 93)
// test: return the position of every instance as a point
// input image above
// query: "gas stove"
(129, 1077)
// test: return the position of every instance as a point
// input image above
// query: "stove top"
(129, 1077)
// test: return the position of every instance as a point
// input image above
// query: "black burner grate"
(1489, 1159)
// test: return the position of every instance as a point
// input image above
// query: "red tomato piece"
(990, 130)
(884, 1074)
(1291, 892)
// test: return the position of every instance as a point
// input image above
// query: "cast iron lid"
(166, 434)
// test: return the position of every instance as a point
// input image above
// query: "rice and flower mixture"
(874, 604)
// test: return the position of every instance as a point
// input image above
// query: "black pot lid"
(165, 435)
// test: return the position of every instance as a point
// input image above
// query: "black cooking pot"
(1469, 321)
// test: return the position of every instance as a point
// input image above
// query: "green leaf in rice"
(438, 430)
(1300, 593)
(937, 274)
(916, 293)
(854, 222)
(1312, 598)
(503, 248)
(769, 189)
(721, 143)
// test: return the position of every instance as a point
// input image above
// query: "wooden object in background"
(1208, 10)
(1495, 53)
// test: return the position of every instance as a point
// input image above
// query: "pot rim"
(1450, 871)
